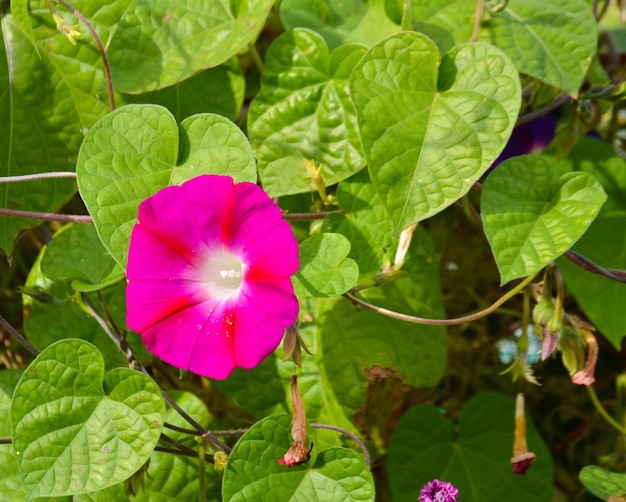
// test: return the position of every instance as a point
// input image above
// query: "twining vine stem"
(103, 55)
(441, 322)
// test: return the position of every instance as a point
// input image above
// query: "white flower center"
(223, 274)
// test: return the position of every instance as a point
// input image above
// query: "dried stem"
(589, 266)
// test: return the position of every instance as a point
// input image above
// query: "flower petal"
(273, 297)
(256, 334)
(198, 338)
(264, 240)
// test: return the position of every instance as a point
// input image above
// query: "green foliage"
(133, 152)
(375, 126)
(475, 459)
(423, 120)
(95, 430)
(603, 483)
(254, 472)
(324, 269)
(303, 112)
(531, 217)
(206, 33)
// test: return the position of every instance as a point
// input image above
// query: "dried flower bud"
(298, 453)
(522, 458)
(586, 375)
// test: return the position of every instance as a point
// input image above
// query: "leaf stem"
(441, 322)
(103, 55)
(605, 414)
(18, 336)
(589, 266)
(74, 218)
(309, 216)
(256, 58)
(37, 176)
(527, 117)
(406, 16)
(478, 15)
(354, 437)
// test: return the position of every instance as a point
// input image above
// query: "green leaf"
(340, 21)
(553, 41)
(133, 152)
(76, 430)
(603, 483)
(303, 112)
(324, 269)
(357, 343)
(217, 90)
(19, 11)
(158, 43)
(446, 22)
(11, 485)
(604, 243)
(425, 446)
(365, 223)
(254, 473)
(531, 218)
(431, 128)
(76, 254)
(48, 98)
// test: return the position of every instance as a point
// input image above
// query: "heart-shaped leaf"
(158, 43)
(77, 254)
(431, 128)
(553, 41)
(531, 217)
(254, 473)
(424, 447)
(303, 113)
(603, 483)
(340, 21)
(75, 430)
(325, 269)
(132, 153)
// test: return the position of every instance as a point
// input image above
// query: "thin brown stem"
(103, 55)
(18, 336)
(73, 218)
(441, 322)
(309, 216)
(589, 266)
(478, 15)
(354, 437)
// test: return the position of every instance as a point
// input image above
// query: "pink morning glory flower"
(439, 491)
(209, 275)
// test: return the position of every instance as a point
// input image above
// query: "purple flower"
(439, 491)
(531, 137)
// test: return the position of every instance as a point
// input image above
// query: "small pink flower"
(209, 275)
(439, 491)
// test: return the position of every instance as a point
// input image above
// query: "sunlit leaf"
(303, 113)
(158, 43)
(431, 126)
(531, 217)
(254, 473)
(75, 429)
(133, 152)
(324, 269)
(602, 482)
